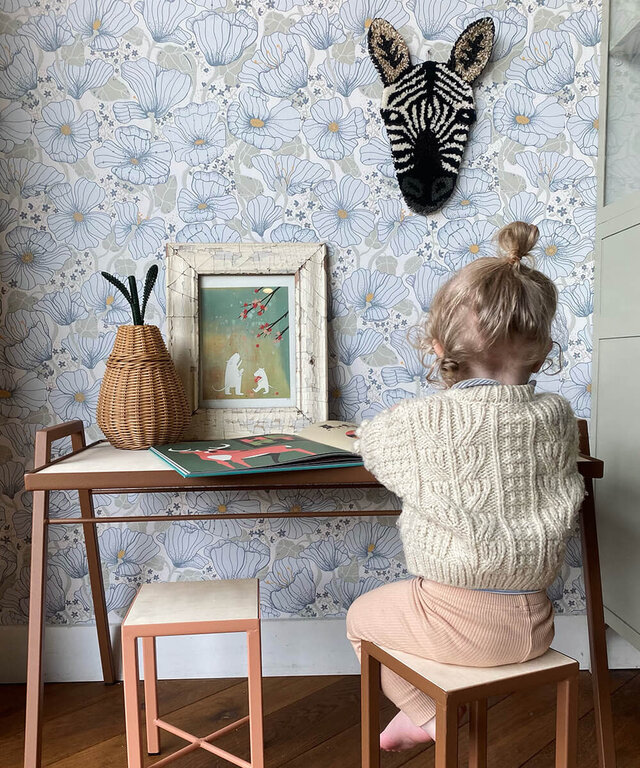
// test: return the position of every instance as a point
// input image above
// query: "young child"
(487, 474)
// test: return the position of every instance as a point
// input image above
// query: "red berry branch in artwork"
(267, 329)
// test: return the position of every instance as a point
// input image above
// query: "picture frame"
(222, 303)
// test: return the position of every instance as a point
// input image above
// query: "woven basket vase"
(142, 400)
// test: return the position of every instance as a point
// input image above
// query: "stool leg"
(131, 700)
(150, 669)
(370, 704)
(446, 736)
(256, 735)
(567, 723)
(478, 734)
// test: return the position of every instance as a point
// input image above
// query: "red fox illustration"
(229, 458)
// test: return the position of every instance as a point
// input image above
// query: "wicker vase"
(142, 400)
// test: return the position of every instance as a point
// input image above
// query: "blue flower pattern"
(254, 121)
(343, 220)
(547, 64)
(156, 90)
(207, 199)
(62, 136)
(519, 117)
(49, 31)
(18, 73)
(223, 37)
(78, 220)
(133, 156)
(101, 22)
(125, 125)
(332, 133)
(278, 68)
(144, 237)
(164, 19)
(321, 30)
(196, 136)
(75, 80)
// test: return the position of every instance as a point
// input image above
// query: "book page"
(337, 434)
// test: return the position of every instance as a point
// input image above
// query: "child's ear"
(537, 366)
(438, 349)
(541, 362)
(472, 49)
(388, 51)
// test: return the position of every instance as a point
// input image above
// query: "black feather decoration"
(150, 281)
(135, 303)
(131, 294)
(118, 284)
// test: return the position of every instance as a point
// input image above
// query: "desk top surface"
(102, 467)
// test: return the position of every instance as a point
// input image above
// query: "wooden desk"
(100, 468)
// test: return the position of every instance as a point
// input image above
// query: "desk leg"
(597, 634)
(370, 708)
(33, 731)
(97, 588)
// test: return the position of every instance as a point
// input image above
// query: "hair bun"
(517, 240)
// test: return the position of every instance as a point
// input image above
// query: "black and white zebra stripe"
(429, 99)
(428, 110)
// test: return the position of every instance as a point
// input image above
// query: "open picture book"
(324, 445)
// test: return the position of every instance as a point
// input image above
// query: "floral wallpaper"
(124, 125)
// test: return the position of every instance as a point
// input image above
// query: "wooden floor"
(310, 722)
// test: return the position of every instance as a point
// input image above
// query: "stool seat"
(451, 677)
(189, 608)
(179, 602)
(450, 685)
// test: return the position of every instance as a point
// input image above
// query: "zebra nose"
(416, 194)
(412, 186)
(426, 195)
(442, 187)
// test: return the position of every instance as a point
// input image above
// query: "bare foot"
(430, 726)
(402, 734)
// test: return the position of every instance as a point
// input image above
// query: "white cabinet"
(616, 380)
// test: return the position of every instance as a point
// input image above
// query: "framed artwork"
(246, 328)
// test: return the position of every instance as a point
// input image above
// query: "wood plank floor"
(310, 722)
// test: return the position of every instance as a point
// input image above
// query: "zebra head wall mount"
(428, 109)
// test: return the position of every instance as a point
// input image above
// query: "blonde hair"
(492, 305)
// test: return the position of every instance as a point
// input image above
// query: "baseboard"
(622, 628)
(290, 647)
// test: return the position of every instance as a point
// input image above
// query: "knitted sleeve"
(384, 443)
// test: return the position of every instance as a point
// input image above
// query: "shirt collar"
(475, 382)
(480, 382)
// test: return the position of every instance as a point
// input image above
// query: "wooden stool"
(189, 608)
(451, 686)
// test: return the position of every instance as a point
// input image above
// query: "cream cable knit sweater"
(488, 480)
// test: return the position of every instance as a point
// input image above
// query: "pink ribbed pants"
(451, 625)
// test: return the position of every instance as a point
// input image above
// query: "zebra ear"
(472, 49)
(388, 51)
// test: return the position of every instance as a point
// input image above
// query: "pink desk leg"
(254, 675)
(370, 708)
(597, 634)
(33, 720)
(595, 619)
(95, 576)
(33, 734)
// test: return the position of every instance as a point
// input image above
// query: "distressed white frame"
(186, 262)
